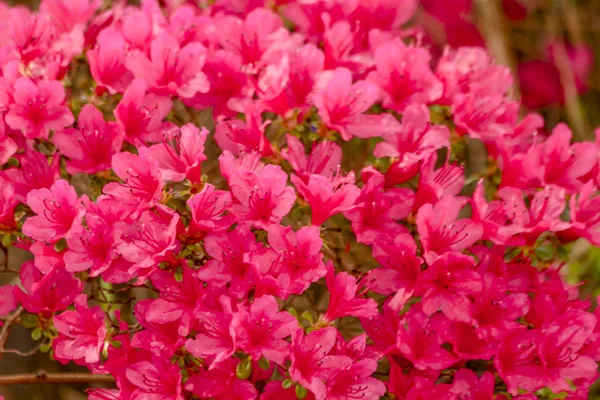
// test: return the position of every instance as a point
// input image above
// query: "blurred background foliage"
(553, 50)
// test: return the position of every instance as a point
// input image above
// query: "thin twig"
(4, 332)
(24, 353)
(44, 377)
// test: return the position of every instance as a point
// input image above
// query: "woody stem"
(44, 377)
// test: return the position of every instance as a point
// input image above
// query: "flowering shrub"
(288, 202)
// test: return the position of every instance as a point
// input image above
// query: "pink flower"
(275, 391)
(91, 147)
(446, 285)
(107, 61)
(354, 380)
(221, 383)
(434, 184)
(29, 33)
(584, 212)
(420, 343)
(344, 293)
(324, 159)
(177, 301)
(342, 105)
(545, 210)
(460, 68)
(142, 181)
(7, 205)
(441, 231)
(68, 14)
(297, 259)
(401, 269)
(404, 75)
(259, 330)
(8, 147)
(226, 81)
(237, 136)
(229, 164)
(485, 112)
(494, 311)
(9, 301)
(232, 261)
(93, 246)
(38, 108)
(466, 384)
(252, 38)
(46, 293)
(516, 361)
(327, 196)
(377, 211)
(309, 357)
(34, 172)
(81, 334)
(150, 240)
(141, 114)
(56, 210)
(160, 339)
(209, 212)
(180, 157)
(156, 380)
(214, 342)
(499, 218)
(415, 140)
(558, 162)
(171, 69)
(286, 84)
(261, 198)
(559, 351)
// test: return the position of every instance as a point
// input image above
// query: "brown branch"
(4, 332)
(24, 353)
(44, 377)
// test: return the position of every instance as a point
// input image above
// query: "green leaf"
(179, 275)
(244, 369)
(60, 245)
(264, 363)
(286, 384)
(544, 252)
(301, 392)
(36, 334)
(46, 348)
(29, 321)
(308, 316)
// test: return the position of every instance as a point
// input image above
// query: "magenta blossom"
(442, 232)
(342, 105)
(377, 211)
(81, 334)
(155, 380)
(210, 212)
(345, 292)
(180, 157)
(259, 330)
(261, 198)
(38, 108)
(446, 285)
(91, 147)
(404, 75)
(46, 293)
(141, 114)
(142, 180)
(107, 61)
(171, 69)
(56, 210)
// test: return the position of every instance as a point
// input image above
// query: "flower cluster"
(276, 201)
